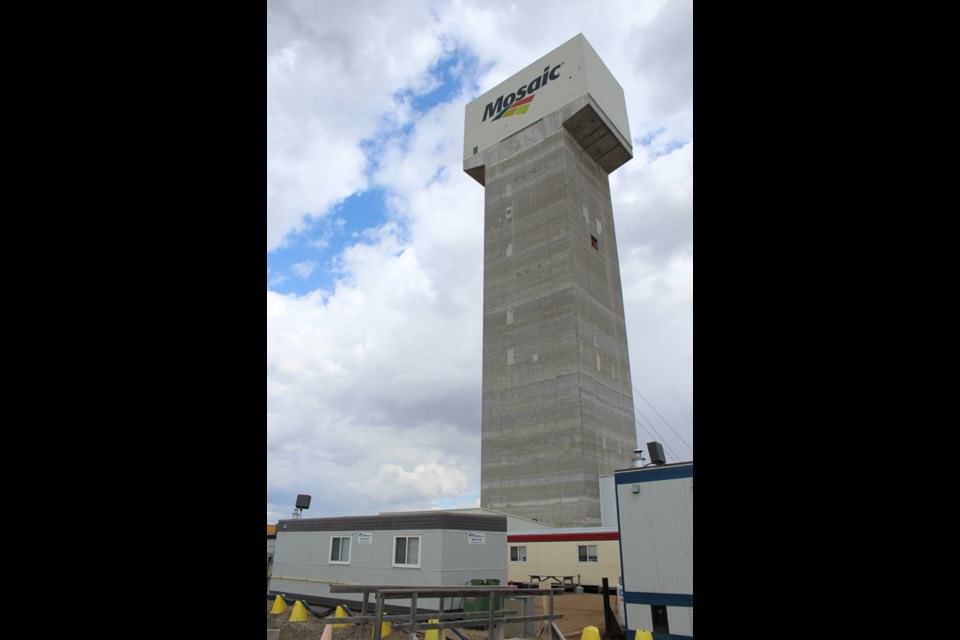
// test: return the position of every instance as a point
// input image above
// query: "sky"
(375, 236)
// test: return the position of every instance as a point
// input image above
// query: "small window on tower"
(594, 243)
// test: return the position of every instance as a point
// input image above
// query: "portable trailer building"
(271, 547)
(421, 549)
(655, 515)
(585, 554)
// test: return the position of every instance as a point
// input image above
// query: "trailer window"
(340, 550)
(587, 552)
(518, 554)
(406, 551)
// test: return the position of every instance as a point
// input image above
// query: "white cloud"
(374, 385)
(653, 209)
(392, 483)
(332, 72)
(304, 269)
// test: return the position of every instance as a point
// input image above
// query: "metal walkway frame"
(493, 619)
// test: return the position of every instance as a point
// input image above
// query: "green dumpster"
(481, 602)
(494, 582)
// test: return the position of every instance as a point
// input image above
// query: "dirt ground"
(579, 611)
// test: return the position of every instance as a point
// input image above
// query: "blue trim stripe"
(653, 474)
(665, 599)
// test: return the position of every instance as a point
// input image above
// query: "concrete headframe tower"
(557, 397)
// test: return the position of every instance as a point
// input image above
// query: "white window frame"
(596, 553)
(330, 559)
(393, 552)
(518, 547)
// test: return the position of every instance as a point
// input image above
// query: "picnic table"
(564, 580)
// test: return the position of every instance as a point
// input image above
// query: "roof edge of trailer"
(399, 522)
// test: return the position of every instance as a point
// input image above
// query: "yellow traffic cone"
(327, 632)
(340, 613)
(432, 634)
(643, 635)
(385, 630)
(279, 606)
(590, 633)
(299, 612)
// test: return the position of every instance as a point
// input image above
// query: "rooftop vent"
(656, 453)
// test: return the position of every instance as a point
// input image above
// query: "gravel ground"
(578, 612)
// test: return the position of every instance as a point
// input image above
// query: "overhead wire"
(640, 424)
(659, 437)
(664, 420)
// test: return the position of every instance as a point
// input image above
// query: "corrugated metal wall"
(655, 507)
(656, 527)
(638, 617)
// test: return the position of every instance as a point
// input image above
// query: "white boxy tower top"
(571, 71)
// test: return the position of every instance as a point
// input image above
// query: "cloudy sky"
(375, 235)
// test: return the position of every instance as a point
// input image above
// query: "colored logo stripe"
(517, 108)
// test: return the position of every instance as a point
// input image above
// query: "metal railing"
(493, 618)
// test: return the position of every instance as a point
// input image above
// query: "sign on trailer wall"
(477, 538)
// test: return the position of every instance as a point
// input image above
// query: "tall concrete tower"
(557, 406)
